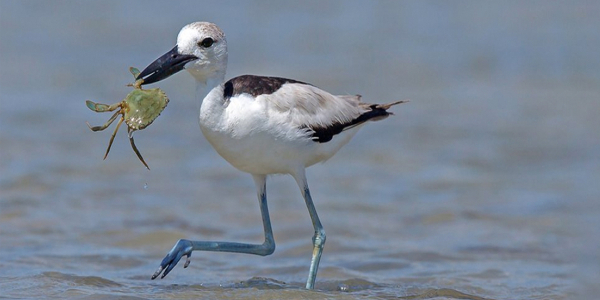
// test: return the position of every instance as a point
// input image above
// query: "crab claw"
(97, 107)
(134, 71)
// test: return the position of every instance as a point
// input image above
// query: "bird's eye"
(207, 42)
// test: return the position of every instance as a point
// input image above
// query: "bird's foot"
(181, 248)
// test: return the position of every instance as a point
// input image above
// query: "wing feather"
(319, 114)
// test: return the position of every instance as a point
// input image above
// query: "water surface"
(484, 186)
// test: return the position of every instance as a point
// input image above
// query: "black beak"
(165, 66)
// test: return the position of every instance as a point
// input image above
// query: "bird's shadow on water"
(351, 287)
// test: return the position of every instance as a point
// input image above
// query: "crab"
(139, 109)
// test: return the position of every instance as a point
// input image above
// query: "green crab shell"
(142, 107)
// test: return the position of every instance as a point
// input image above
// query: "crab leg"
(110, 121)
(112, 137)
(135, 149)
(99, 107)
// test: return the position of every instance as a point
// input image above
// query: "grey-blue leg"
(185, 247)
(319, 237)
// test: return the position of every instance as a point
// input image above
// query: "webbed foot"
(181, 248)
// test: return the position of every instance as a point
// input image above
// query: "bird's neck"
(203, 87)
(209, 99)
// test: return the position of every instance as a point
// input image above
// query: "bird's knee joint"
(319, 238)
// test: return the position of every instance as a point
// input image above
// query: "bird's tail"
(382, 110)
(387, 106)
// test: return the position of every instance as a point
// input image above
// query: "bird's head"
(201, 49)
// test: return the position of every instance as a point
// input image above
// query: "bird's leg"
(319, 237)
(185, 247)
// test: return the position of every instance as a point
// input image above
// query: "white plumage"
(271, 133)
(260, 125)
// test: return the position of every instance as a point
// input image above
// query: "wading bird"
(261, 126)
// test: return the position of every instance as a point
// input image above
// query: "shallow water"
(484, 186)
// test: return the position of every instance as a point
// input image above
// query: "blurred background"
(485, 185)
